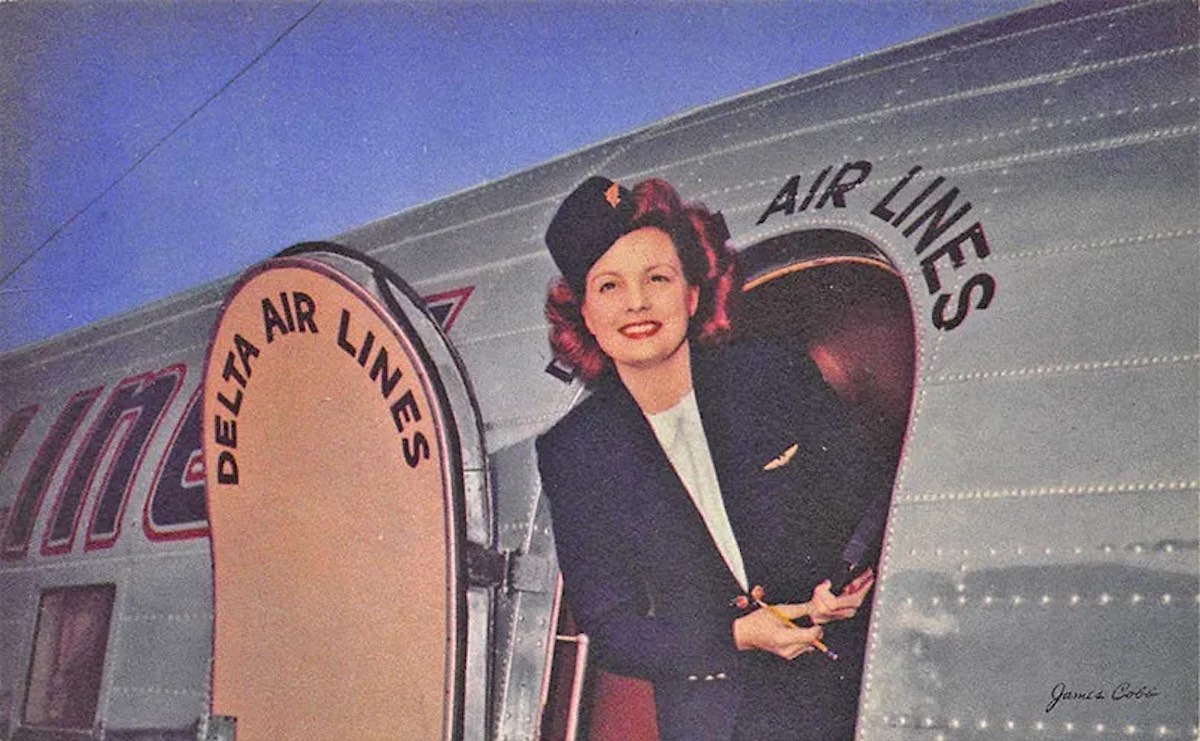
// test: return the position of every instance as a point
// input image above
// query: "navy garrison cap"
(595, 215)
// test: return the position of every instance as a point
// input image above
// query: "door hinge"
(511, 570)
(216, 728)
(486, 567)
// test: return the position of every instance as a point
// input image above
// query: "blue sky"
(147, 147)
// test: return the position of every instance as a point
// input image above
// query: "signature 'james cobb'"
(1123, 691)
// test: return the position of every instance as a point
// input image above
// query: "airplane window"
(69, 646)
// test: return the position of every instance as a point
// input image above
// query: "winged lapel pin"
(783, 458)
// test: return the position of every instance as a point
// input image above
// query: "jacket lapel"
(635, 445)
(721, 416)
(642, 456)
(739, 415)
(730, 416)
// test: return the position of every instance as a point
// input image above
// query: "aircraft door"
(345, 472)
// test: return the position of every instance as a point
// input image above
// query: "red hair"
(701, 241)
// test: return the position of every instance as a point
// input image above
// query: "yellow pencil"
(788, 621)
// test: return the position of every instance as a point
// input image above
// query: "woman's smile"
(640, 330)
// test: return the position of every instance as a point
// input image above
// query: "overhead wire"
(158, 144)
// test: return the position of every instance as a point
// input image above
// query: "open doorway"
(834, 297)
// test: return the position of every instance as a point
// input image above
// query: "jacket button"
(692, 677)
(709, 677)
(722, 675)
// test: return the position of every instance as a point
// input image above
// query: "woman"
(696, 470)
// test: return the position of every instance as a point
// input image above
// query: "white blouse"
(681, 434)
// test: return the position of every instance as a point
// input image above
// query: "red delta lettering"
(141, 402)
(14, 428)
(24, 510)
(176, 507)
(102, 470)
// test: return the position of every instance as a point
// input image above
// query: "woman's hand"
(762, 631)
(824, 607)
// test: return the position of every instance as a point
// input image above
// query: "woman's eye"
(660, 278)
(607, 286)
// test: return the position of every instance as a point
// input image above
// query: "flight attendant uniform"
(651, 576)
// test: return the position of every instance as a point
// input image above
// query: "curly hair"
(701, 241)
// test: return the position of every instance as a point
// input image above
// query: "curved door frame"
(466, 507)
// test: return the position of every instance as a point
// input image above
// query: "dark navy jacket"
(646, 581)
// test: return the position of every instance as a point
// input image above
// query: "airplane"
(304, 502)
